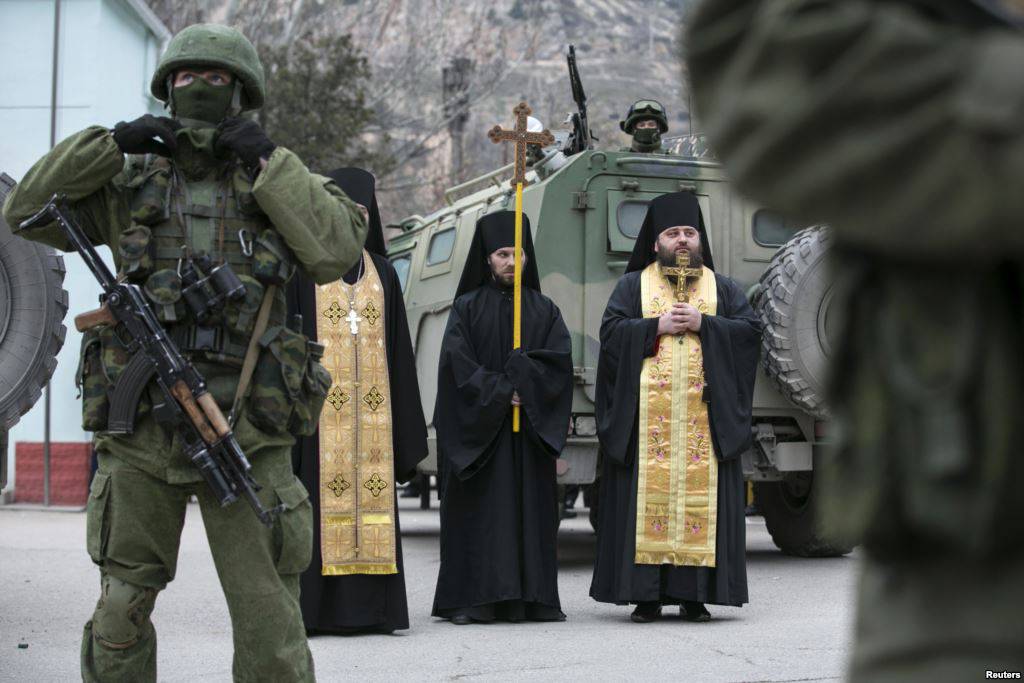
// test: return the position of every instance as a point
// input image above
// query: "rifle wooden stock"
(90, 319)
(185, 399)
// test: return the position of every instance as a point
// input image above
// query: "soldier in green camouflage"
(176, 198)
(646, 121)
(902, 124)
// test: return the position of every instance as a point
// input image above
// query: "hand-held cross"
(521, 137)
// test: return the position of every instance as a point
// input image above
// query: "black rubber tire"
(793, 304)
(33, 303)
(789, 513)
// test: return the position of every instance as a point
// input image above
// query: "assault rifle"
(188, 407)
(581, 139)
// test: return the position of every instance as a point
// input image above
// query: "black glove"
(136, 137)
(246, 139)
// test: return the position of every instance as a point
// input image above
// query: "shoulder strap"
(252, 353)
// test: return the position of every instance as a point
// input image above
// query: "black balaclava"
(495, 231)
(664, 212)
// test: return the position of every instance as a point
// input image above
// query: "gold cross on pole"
(682, 271)
(521, 137)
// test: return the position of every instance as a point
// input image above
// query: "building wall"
(106, 55)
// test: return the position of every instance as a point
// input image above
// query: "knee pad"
(122, 613)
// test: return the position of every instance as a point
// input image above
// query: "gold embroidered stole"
(677, 487)
(357, 503)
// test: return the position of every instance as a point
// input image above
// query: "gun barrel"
(55, 210)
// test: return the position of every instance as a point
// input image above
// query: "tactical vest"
(175, 223)
(173, 220)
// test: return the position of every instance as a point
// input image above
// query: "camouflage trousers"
(939, 619)
(134, 523)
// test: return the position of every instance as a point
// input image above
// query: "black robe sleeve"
(543, 379)
(731, 341)
(409, 433)
(472, 402)
(627, 339)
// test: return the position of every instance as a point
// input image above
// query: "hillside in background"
(626, 50)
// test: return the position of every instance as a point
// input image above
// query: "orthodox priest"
(679, 350)
(499, 511)
(372, 435)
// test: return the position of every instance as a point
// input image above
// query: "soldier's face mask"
(647, 136)
(202, 100)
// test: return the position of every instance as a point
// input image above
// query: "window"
(772, 229)
(401, 264)
(630, 216)
(441, 245)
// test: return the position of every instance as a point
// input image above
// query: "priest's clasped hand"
(515, 399)
(682, 318)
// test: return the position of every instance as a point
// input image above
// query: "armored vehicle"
(586, 207)
(32, 308)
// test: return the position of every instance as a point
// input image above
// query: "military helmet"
(644, 109)
(216, 46)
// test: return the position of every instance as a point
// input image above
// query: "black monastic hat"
(359, 185)
(495, 231)
(668, 211)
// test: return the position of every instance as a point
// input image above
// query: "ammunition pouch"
(289, 385)
(92, 384)
(163, 289)
(271, 262)
(106, 371)
(137, 252)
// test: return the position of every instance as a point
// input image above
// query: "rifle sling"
(252, 353)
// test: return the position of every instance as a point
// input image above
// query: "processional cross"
(682, 272)
(521, 137)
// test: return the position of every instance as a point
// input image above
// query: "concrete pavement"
(796, 628)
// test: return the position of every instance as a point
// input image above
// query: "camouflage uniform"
(901, 124)
(264, 224)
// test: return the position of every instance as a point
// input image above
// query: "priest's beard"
(667, 257)
(504, 280)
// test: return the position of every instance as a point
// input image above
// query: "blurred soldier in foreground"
(902, 124)
(646, 121)
(178, 199)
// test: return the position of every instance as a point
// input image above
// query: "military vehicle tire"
(33, 303)
(793, 303)
(789, 513)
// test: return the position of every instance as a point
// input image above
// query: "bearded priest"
(675, 381)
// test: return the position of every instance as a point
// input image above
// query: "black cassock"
(499, 511)
(730, 341)
(363, 602)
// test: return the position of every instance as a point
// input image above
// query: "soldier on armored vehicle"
(646, 121)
